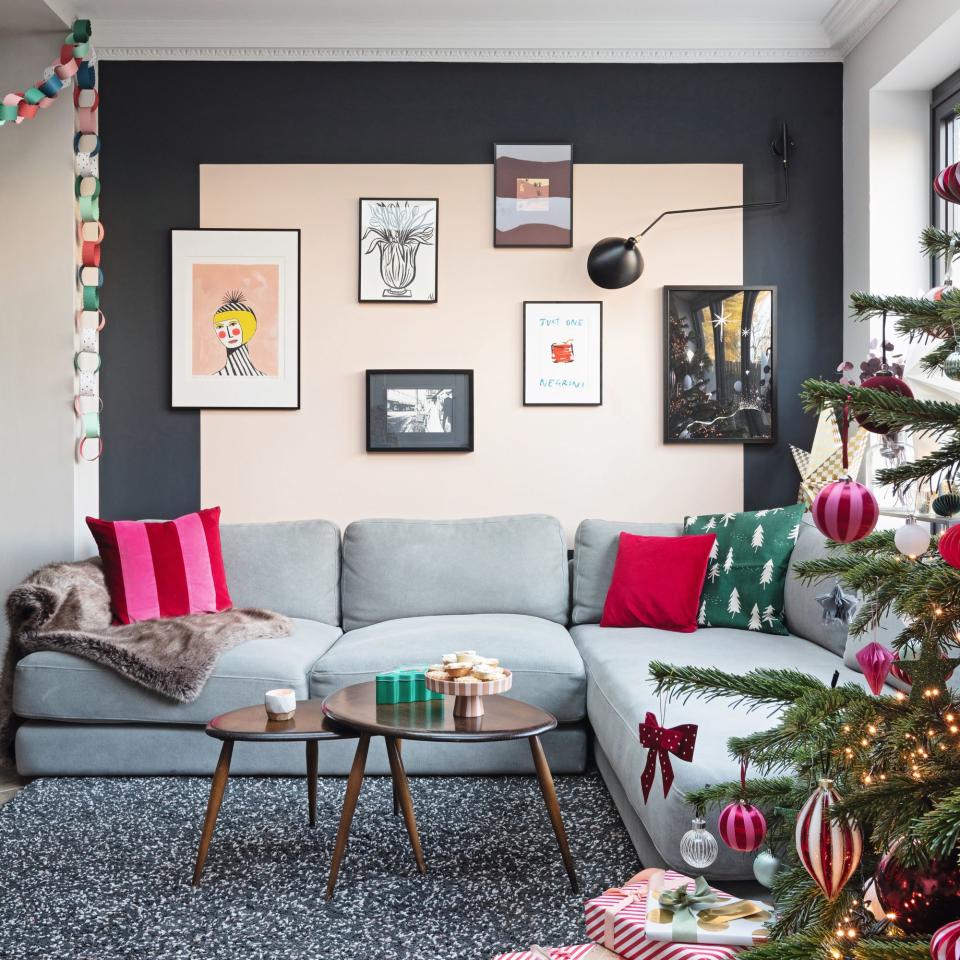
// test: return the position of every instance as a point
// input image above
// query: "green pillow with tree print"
(748, 567)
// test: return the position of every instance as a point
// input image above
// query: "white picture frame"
(563, 353)
(398, 250)
(235, 324)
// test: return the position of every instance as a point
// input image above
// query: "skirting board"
(648, 853)
(74, 749)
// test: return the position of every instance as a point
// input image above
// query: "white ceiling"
(577, 30)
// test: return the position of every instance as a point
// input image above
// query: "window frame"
(944, 150)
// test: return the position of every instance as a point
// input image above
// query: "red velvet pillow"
(165, 569)
(657, 582)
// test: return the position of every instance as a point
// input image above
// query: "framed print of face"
(720, 368)
(398, 250)
(533, 195)
(562, 353)
(419, 410)
(236, 318)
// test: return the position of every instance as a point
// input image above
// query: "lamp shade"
(615, 262)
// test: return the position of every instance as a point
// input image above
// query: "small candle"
(280, 704)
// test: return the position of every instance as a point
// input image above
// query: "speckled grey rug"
(99, 869)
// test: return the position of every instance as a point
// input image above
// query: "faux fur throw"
(66, 607)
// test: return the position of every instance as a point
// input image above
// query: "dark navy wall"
(159, 121)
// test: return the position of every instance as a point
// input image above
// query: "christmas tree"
(887, 852)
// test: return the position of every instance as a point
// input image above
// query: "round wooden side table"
(251, 724)
(504, 718)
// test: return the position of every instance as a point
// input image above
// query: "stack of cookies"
(466, 666)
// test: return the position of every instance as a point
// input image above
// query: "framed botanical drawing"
(533, 195)
(563, 352)
(398, 250)
(720, 383)
(236, 318)
(419, 410)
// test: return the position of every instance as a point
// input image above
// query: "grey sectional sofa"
(407, 591)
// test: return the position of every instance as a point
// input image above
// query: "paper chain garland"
(77, 63)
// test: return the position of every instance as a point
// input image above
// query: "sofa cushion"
(803, 614)
(547, 670)
(620, 692)
(59, 686)
(594, 556)
(420, 568)
(290, 567)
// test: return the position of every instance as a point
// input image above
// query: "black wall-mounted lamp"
(617, 262)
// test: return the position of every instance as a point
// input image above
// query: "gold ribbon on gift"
(610, 913)
(719, 918)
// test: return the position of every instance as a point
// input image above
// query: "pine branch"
(805, 946)
(932, 362)
(931, 417)
(942, 459)
(866, 306)
(758, 687)
(892, 950)
(937, 243)
(938, 830)
(765, 793)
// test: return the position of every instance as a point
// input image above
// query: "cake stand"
(468, 700)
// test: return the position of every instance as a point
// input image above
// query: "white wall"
(887, 82)
(38, 475)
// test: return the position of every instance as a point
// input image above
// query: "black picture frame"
(174, 404)
(759, 422)
(382, 439)
(394, 301)
(499, 241)
(527, 402)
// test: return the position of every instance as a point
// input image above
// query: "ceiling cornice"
(849, 21)
(478, 54)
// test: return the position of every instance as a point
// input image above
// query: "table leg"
(396, 794)
(354, 783)
(312, 780)
(213, 807)
(553, 808)
(402, 788)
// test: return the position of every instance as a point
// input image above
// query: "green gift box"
(404, 685)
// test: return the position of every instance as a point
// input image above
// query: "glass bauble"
(951, 366)
(922, 898)
(912, 539)
(765, 867)
(698, 846)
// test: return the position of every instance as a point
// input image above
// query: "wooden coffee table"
(504, 718)
(252, 724)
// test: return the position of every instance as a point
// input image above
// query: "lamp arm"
(730, 206)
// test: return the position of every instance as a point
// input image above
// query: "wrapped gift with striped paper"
(585, 951)
(618, 920)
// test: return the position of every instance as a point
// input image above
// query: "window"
(944, 150)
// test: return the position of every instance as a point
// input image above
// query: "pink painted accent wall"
(573, 462)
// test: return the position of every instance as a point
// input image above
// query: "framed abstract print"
(236, 319)
(533, 195)
(419, 410)
(398, 250)
(562, 353)
(720, 382)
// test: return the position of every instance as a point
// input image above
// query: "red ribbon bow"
(662, 741)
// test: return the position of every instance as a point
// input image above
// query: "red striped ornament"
(829, 849)
(742, 826)
(845, 511)
(945, 943)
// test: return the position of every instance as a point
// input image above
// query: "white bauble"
(687, 381)
(698, 846)
(912, 539)
(737, 386)
(765, 867)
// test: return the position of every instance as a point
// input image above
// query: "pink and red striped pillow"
(165, 569)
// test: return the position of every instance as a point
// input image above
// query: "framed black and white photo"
(533, 195)
(236, 318)
(720, 368)
(563, 353)
(398, 250)
(419, 410)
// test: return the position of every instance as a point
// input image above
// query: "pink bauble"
(945, 943)
(845, 511)
(742, 826)
(875, 661)
(828, 849)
